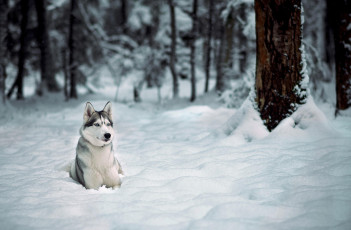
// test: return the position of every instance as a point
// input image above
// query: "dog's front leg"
(112, 179)
(92, 179)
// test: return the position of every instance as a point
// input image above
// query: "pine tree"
(279, 76)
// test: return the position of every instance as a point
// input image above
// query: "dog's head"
(98, 126)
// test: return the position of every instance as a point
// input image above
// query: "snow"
(192, 167)
(139, 17)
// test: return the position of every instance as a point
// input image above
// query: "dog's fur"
(95, 164)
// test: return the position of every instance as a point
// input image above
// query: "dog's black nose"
(107, 135)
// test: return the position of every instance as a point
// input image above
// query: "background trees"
(3, 55)
(148, 42)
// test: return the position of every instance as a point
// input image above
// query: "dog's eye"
(97, 124)
(108, 124)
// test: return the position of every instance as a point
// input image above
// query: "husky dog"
(95, 164)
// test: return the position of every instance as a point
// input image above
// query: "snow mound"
(246, 124)
(307, 120)
(297, 177)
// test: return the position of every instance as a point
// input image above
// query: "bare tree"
(279, 59)
(193, 50)
(342, 38)
(173, 49)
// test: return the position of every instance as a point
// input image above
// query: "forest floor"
(182, 171)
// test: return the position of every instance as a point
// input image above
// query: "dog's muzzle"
(107, 136)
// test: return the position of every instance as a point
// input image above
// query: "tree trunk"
(137, 90)
(71, 46)
(342, 38)
(220, 79)
(173, 49)
(208, 48)
(47, 76)
(229, 35)
(243, 42)
(192, 52)
(124, 16)
(65, 73)
(22, 52)
(279, 60)
(330, 20)
(3, 59)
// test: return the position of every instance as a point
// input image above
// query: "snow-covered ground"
(186, 168)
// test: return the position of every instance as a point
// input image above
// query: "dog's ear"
(89, 110)
(108, 108)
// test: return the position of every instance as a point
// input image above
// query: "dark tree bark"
(124, 16)
(220, 79)
(71, 46)
(243, 41)
(225, 55)
(47, 76)
(22, 53)
(342, 38)
(65, 72)
(173, 49)
(279, 60)
(229, 35)
(208, 48)
(330, 20)
(192, 51)
(3, 59)
(137, 90)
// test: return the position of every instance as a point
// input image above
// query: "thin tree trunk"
(47, 76)
(208, 50)
(342, 38)
(192, 52)
(22, 53)
(65, 73)
(330, 20)
(243, 43)
(71, 46)
(124, 16)
(229, 35)
(137, 90)
(173, 49)
(3, 59)
(220, 81)
(279, 59)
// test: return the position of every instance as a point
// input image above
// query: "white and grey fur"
(95, 164)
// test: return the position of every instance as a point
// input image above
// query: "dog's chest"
(102, 159)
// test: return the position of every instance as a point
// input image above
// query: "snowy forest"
(228, 114)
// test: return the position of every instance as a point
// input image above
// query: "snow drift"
(179, 175)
